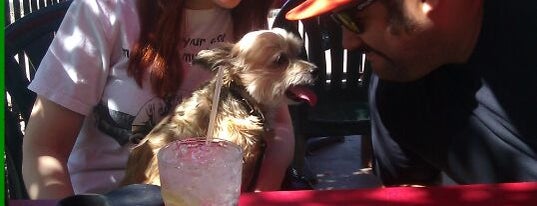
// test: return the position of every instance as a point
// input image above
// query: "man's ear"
(212, 58)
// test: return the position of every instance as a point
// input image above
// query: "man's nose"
(350, 40)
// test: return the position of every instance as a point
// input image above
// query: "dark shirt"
(476, 121)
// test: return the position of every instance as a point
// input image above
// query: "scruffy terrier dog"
(260, 72)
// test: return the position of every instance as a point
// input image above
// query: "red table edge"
(521, 193)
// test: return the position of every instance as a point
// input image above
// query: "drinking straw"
(214, 107)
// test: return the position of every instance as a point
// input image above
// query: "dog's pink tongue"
(301, 93)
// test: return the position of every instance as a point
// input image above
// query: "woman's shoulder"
(106, 7)
(109, 14)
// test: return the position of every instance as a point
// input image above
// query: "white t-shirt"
(85, 70)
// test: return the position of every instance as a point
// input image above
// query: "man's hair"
(156, 53)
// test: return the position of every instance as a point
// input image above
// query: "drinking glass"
(200, 172)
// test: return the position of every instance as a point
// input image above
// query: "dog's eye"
(281, 59)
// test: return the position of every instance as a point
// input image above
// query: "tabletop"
(523, 193)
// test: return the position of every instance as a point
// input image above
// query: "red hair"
(156, 53)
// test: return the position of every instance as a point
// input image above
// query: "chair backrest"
(26, 42)
(342, 82)
(15, 9)
(341, 72)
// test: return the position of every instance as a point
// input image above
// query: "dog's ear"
(212, 58)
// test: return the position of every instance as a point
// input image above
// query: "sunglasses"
(345, 16)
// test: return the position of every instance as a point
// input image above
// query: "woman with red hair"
(115, 68)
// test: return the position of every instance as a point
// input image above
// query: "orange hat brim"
(311, 8)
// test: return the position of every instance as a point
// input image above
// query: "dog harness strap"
(244, 99)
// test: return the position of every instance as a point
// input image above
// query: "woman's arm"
(279, 153)
(48, 141)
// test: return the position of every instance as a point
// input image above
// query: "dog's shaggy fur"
(258, 73)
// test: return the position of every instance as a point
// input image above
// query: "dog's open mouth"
(301, 94)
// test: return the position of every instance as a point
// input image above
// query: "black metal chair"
(26, 42)
(341, 87)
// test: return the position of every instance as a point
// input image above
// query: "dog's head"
(266, 64)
